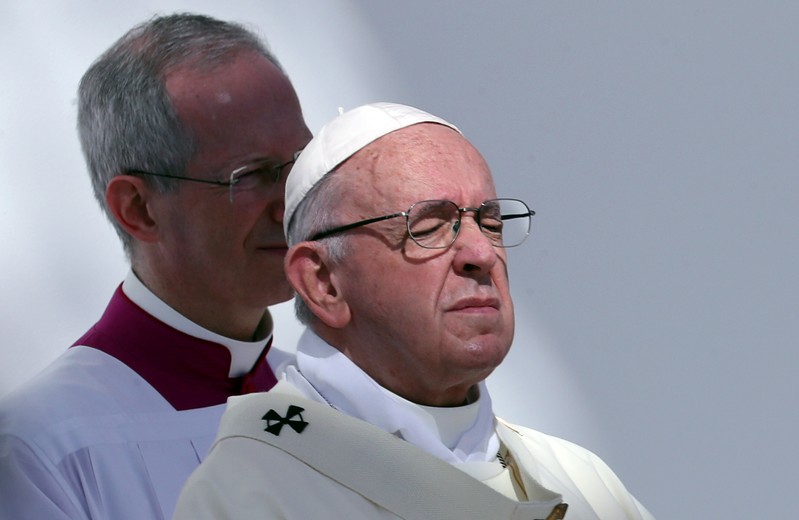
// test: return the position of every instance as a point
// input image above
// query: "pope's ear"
(127, 199)
(309, 271)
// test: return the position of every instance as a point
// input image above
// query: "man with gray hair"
(189, 126)
(398, 254)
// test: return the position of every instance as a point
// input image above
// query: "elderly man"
(188, 125)
(398, 255)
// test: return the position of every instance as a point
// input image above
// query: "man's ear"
(309, 271)
(127, 199)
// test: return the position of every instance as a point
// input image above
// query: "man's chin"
(270, 287)
(281, 294)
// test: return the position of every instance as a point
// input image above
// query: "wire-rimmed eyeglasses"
(257, 175)
(435, 224)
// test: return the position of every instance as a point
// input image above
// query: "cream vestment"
(291, 454)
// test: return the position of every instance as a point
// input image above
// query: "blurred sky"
(657, 296)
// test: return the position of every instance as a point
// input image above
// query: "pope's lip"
(475, 303)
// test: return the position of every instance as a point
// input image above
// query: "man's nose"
(474, 252)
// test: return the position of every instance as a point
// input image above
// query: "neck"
(414, 387)
(235, 322)
(455, 434)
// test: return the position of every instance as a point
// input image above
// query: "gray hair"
(126, 119)
(316, 212)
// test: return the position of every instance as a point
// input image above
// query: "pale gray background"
(657, 296)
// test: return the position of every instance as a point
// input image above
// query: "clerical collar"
(243, 354)
(191, 367)
(451, 421)
(461, 434)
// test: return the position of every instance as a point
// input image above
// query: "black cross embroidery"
(274, 422)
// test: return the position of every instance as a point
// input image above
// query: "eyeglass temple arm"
(518, 215)
(179, 177)
(341, 229)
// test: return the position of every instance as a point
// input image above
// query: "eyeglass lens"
(261, 176)
(435, 224)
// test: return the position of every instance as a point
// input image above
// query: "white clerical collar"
(243, 354)
(460, 434)
(451, 422)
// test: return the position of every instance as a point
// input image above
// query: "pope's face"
(427, 324)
